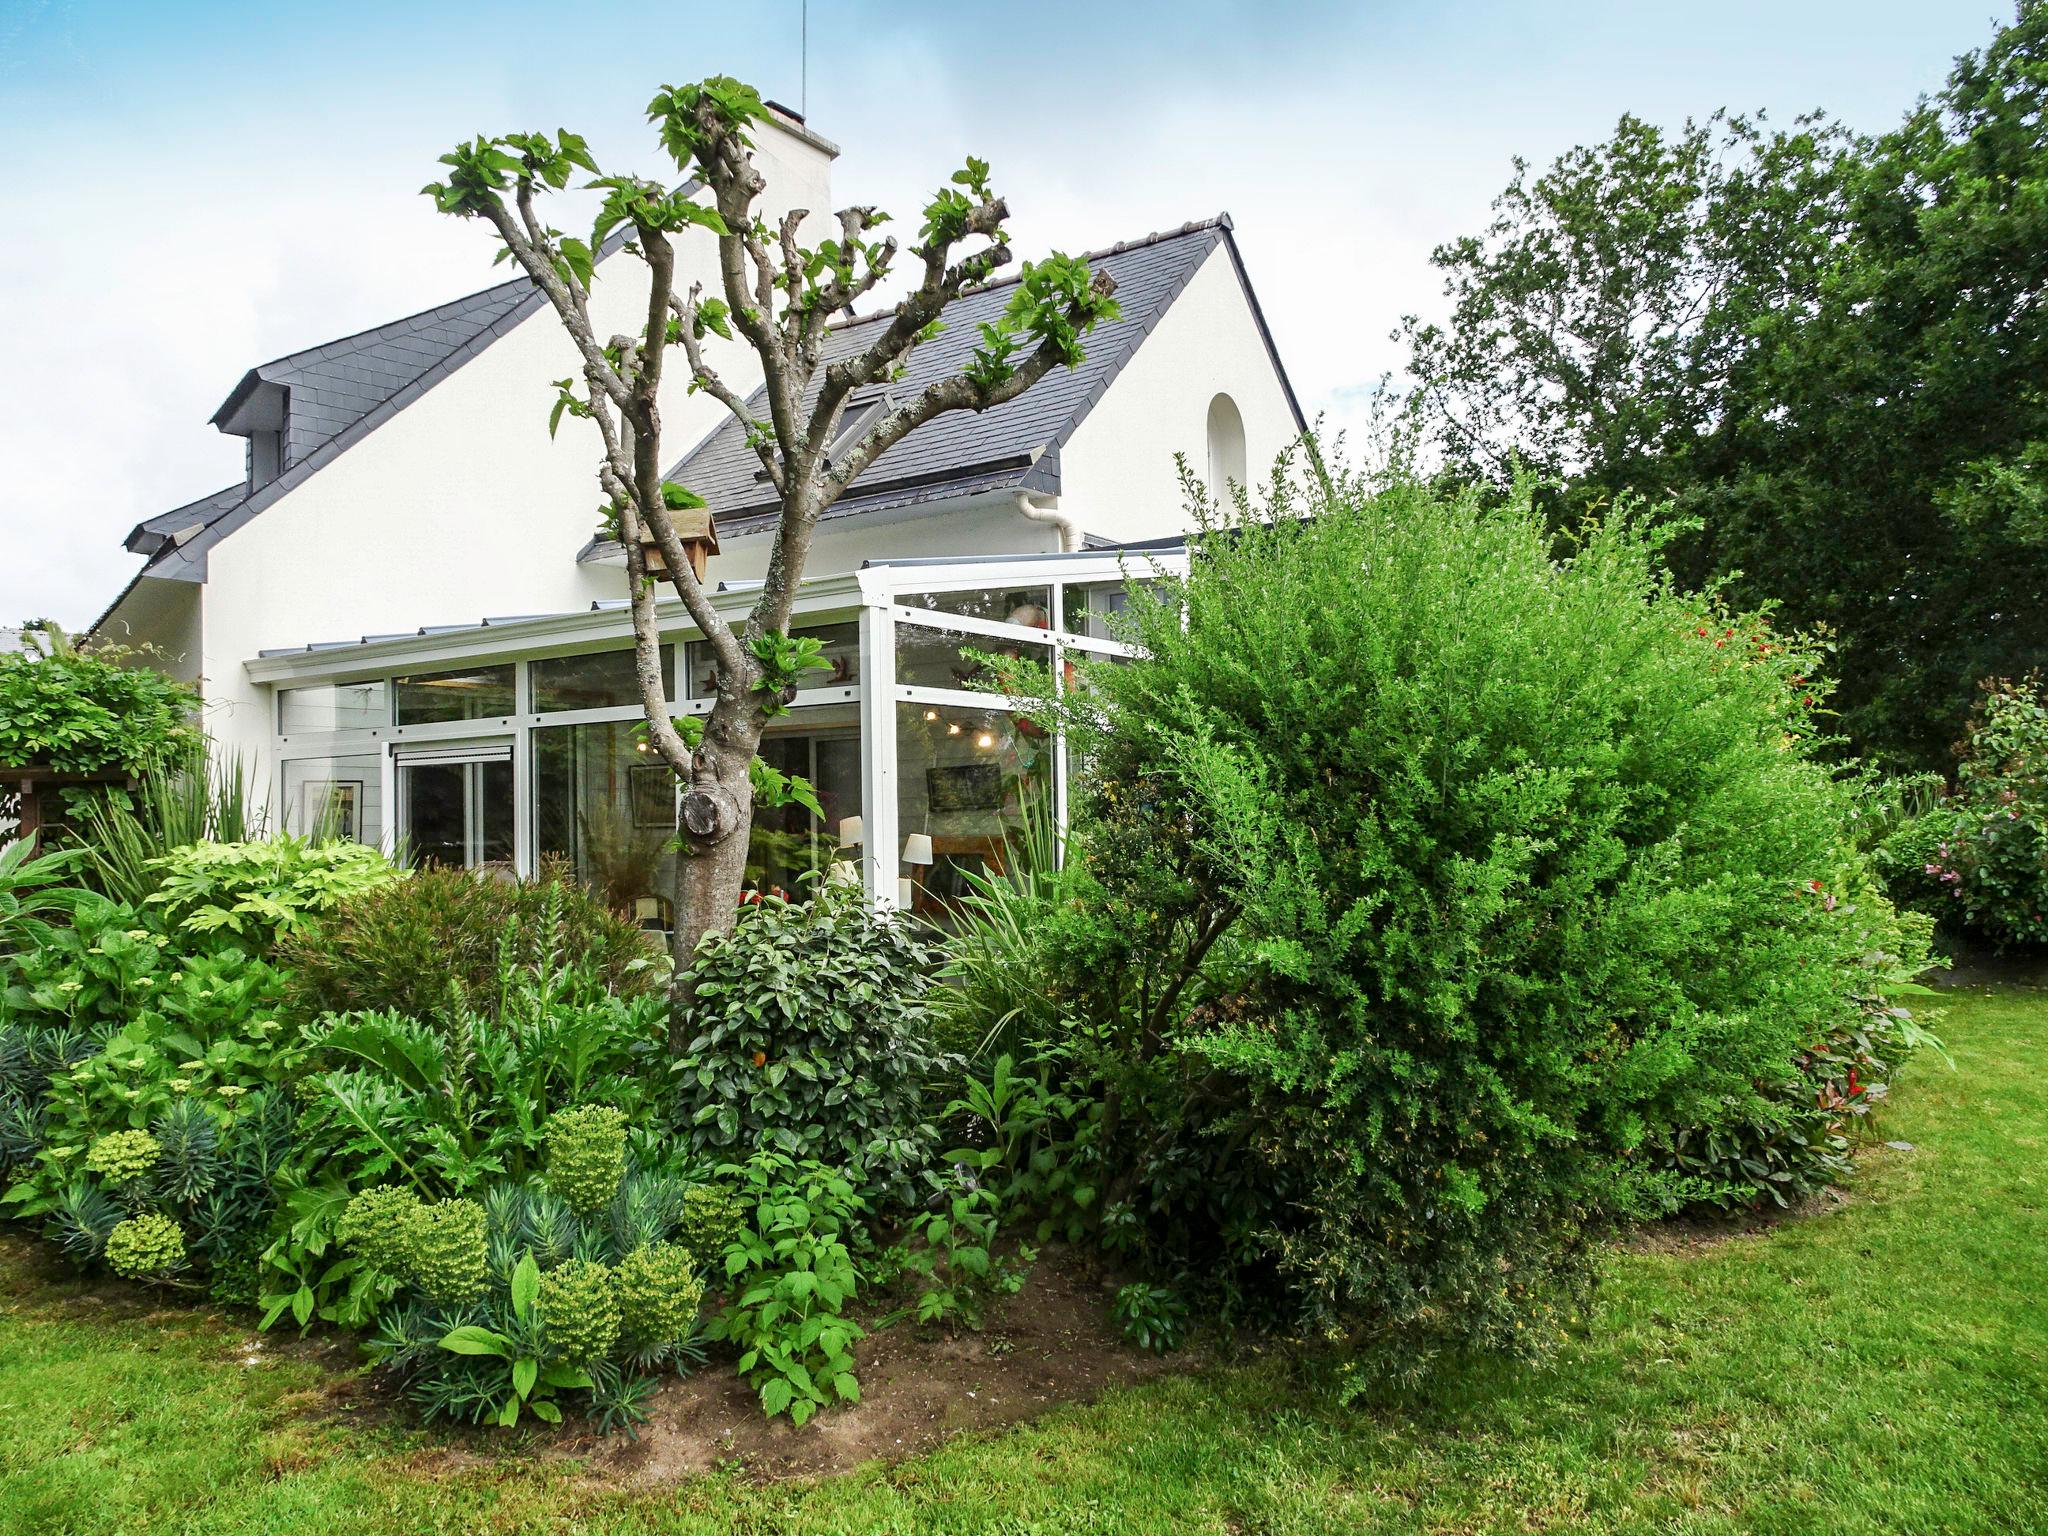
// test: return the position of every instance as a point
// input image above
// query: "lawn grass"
(1881, 1368)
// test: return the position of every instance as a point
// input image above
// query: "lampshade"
(906, 894)
(851, 832)
(843, 872)
(917, 848)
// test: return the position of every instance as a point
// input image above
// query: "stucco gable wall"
(1117, 474)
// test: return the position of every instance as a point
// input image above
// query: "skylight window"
(859, 416)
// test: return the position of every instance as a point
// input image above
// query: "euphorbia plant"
(778, 295)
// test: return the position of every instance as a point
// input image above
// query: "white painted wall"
(1117, 473)
(982, 525)
(460, 506)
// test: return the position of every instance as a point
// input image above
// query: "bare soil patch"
(1052, 1343)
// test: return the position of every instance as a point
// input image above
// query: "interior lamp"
(852, 832)
(917, 848)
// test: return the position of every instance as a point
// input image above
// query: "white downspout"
(1052, 516)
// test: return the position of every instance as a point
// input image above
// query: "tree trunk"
(717, 826)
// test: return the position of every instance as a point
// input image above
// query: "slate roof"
(337, 384)
(1015, 445)
(342, 390)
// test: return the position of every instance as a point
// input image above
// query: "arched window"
(1226, 446)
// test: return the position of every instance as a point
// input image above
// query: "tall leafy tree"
(1826, 349)
(777, 296)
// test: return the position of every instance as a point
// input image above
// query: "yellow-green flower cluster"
(149, 1244)
(121, 1156)
(659, 1294)
(579, 1307)
(374, 1226)
(586, 1155)
(444, 1252)
(711, 1218)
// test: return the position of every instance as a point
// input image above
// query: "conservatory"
(499, 744)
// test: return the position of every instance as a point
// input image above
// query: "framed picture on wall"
(965, 787)
(651, 789)
(334, 807)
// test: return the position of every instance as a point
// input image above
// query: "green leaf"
(471, 1339)
(525, 1371)
(525, 1285)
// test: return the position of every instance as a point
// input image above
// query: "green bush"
(790, 1275)
(80, 711)
(89, 973)
(440, 943)
(808, 1034)
(256, 894)
(711, 1216)
(1986, 847)
(455, 1105)
(552, 1303)
(1436, 875)
(375, 1222)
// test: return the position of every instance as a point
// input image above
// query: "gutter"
(1051, 516)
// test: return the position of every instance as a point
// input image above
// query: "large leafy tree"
(1826, 349)
(777, 296)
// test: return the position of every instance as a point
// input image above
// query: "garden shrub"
(529, 1301)
(454, 1106)
(807, 1032)
(88, 973)
(442, 1249)
(790, 1276)
(1985, 849)
(84, 709)
(121, 1156)
(436, 944)
(254, 895)
(1435, 876)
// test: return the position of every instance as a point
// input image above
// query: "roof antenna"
(804, 60)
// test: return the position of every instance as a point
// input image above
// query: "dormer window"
(858, 417)
(861, 412)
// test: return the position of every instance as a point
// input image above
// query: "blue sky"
(196, 188)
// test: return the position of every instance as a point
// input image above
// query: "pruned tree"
(779, 296)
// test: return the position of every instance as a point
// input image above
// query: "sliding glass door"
(455, 806)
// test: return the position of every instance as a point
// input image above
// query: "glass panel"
(478, 693)
(936, 658)
(338, 797)
(970, 784)
(609, 808)
(602, 681)
(1089, 608)
(457, 814)
(1030, 607)
(842, 650)
(333, 707)
(790, 842)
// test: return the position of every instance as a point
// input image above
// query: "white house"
(400, 616)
